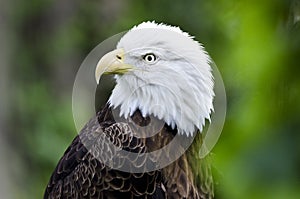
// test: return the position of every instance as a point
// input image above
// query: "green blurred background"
(255, 44)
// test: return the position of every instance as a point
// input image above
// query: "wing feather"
(80, 174)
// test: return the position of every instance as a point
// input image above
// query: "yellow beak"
(112, 63)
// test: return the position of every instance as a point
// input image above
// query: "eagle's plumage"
(176, 74)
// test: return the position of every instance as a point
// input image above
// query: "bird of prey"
(163, 95)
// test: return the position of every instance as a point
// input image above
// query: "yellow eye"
(149, 58)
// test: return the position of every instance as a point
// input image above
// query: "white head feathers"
(175, 84)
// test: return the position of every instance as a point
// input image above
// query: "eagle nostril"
(119, 57)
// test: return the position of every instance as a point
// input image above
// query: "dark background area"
(255, 44)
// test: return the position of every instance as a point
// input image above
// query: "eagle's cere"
(159, 71)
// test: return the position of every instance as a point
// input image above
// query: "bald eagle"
(163, 96)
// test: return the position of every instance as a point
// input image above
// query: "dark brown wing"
(81, 173)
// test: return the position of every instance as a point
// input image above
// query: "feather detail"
(80, 174)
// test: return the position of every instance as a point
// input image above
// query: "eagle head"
(161, 71)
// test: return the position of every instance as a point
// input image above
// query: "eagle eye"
(149, 58)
